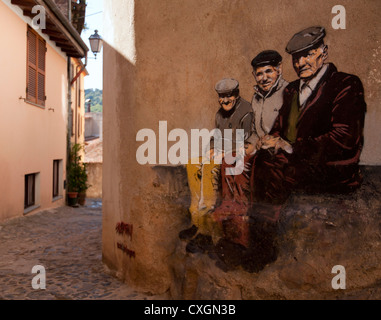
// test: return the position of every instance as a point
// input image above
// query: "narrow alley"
(67, 242)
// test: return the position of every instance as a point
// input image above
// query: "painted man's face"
(266, 76)
(227, 100)
(308, 63)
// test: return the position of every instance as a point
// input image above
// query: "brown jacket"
(330, 127)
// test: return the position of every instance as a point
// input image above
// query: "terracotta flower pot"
(72, 198)
(82, 198)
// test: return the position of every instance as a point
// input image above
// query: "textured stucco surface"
(161, 62)
(31, 136)
(94, 173)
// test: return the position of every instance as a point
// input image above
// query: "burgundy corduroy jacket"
(330, 127)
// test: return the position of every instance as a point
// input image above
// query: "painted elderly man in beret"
(268, 92)
(204, 176)
(317, 139)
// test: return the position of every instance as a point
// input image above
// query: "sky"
(94, 21)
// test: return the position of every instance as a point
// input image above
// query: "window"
(79, 126)
(72, 123)
(36, 51)
(56, 172)
(79, 92)
(57, 178)
(30, 190)
(71, 72)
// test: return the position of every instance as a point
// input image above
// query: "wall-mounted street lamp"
(96, 43)
(88, 104)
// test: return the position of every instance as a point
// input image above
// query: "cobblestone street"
(67, 242)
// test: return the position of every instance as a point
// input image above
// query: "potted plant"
(76, 175)
(82, 184)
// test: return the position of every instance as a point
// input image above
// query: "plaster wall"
(94, 172)
(161, 62)
(78, 104)
(93, 124)
(31, 137)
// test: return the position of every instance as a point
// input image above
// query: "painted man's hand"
(249, 148)
(275, 143)
(215, 156)
(284, 145)
(267, 142)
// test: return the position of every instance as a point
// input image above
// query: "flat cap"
(226, 85)
(305, 39)
(267, 57)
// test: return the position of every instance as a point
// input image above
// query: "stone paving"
(67, 242)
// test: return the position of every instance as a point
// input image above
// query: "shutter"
(32, 67)
(41, 72)
(78, 126)
(29, 197)
(36, 52)
(72, 122)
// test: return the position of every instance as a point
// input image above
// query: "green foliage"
(95, 95)
(96, 108)
(76, 171)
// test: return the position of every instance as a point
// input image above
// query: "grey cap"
(305, 39)
(226, 85)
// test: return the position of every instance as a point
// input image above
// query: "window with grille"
(30, 190)
(56, 178)
(36, 54)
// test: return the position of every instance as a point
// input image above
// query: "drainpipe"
(70, 124)
(76, 131)
(69, 13)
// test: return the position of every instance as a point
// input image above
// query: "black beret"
(305, 39)
(226, 85)
(267, 57)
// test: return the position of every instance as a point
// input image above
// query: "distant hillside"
(95, 95)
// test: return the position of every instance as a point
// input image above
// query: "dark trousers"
(275, 176)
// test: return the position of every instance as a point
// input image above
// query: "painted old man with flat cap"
(317, 139)
(234, 114)
(268, 92)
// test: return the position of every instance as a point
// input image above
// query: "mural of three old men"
(304, 135)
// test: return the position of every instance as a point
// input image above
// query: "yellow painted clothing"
(203, 180)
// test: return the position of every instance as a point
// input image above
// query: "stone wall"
(315, 234)
(161, 61)
(94, 173)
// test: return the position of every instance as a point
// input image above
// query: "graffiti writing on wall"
(123, 228)
(127, 251)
